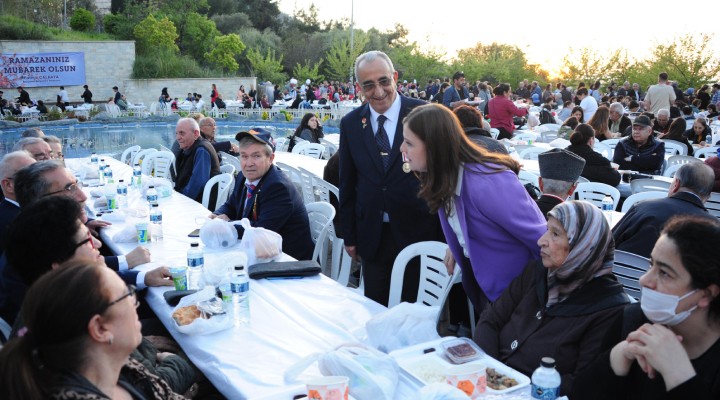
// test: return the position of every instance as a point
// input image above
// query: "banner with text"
(42, 69)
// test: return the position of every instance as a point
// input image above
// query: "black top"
(597, 168)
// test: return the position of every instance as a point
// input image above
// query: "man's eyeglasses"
(69, 189)
(131, 293)
(370, 85)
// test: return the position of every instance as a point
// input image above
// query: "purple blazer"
(501, 225)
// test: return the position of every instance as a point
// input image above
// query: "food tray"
(434, 363)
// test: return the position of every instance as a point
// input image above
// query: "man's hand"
(221, 216)
(158, 277)
(95, 224)
(628, 158)
(139, 255)
(352, 251)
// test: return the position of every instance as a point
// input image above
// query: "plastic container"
(93, 158)
(137, 176)
(179, 277)
(461, 350)
(108, 174)
(111, 201)
(545, 380)
(607, 208)
(156, 227)
(152, 196)
(196, 262)
(122, 200)
(240, 286)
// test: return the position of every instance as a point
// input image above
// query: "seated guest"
(9, 207)
(195, 162)
(578, 113)
(80, 328)
(208, 128)
(267, 197)
(33, 132)
(56, 151)
(42, 109)
(561, 306)
(597, 167)
(568, 127)
(714, 163)
(38, 148)
(472, 123)
(618, 121)
(641, 151)
(668, 345)
(699, 131)
(662, 121)
(566, 111)
(712, 111)
(677, 134)
(199, 102)
(559, 173)
(309, 130)
(600, 123)
(640, 227)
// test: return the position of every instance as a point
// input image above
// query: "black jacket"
(597, 168)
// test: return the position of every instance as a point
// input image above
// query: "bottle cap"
(239, 267)
(196, 244)
(121, 180)
(156, 205)
(152, 187)
(547, 362)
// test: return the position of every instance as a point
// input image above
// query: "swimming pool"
(80, 140)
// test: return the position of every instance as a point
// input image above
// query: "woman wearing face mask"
(669, 343)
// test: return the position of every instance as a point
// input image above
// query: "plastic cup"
(179, 277)
(470, 378)
(226, 292)
(143, 235)
(328, 388)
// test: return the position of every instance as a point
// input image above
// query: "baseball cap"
(642, 120)
(260, 135)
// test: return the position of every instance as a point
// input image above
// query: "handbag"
(284, 269)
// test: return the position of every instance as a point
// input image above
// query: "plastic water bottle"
(108, 174)
(122, 191)
(101, 171)
(137, 176)
(545, 380)
(607, 207)
(240, 286)
(93, 158)
(708, 140)
(156, 230)
(195, 261)
(152, 196)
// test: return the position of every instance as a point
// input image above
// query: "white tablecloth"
(314, 165)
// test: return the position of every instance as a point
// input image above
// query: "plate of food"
(427, 363)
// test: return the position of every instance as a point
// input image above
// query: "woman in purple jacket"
(490, 222)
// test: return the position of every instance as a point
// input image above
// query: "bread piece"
(265, 247)
(186, 315)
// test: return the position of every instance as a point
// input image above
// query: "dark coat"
(546, 203)
(185, 163)
(714, 163)
(646, 159)
(597, 168)
(518, 331)
(624, 123)
(278, 207)
(367, 190)
(639, 228)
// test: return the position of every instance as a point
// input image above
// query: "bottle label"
(156, 218)
(152, 198)
(196, 262)
(243, 287)
(122, 191)
(543, 393)
(111, 203)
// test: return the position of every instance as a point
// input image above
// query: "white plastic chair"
(628, 268)
(227, 169)
(322, 189)
(549, 136)
(645, 185)
(229, 159)
(582, 179)
(306, 181)
(611, 143)
(140, 155)
(713, 204)
(494, 132)
(292, 173)
(163, 148)
(681, 159)
(225, 184)
(706, 152)
(531, 153)
(671, 170)
(129, 153)
(640, 197)
(595, 192)
(330, 148)
(529, 177)
(314, 150)
(434, 278)
(321, 216)
(674, 148)
(280, 144)
(604, 149)
(525, 136)
(158, 164)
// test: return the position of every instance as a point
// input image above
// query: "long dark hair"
(56, 313)
(447, 147)
(317, 133)
(676, 130)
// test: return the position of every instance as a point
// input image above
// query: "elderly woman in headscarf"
(562, 306)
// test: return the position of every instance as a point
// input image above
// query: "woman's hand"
(449, 261)
(662, 351)
(621, 359)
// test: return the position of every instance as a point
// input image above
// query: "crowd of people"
(409, 168)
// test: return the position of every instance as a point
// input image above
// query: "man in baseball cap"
(640, 151)
(266, 196)
(559, 173)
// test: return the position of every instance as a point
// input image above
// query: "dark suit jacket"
(8, 212)
(280, 208)
(640, 228)
(547, 203)
(366, 190)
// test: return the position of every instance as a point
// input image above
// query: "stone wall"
(110, 63)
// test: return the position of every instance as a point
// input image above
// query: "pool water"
(80, 140)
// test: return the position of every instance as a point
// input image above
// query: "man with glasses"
(618, 122)
(48, 178)
(9, 207)
(37, 147)
(379, 208)
(208, 128)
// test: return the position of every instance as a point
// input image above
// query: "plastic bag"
(404, 325)
(260, 244)
(219, 234)
(203, 326)
(373, 375)
(440, 391)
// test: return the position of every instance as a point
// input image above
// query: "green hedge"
(13, 28)
(166, 64)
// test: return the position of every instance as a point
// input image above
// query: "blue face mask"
(660, 307)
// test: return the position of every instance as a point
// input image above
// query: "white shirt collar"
(13, 202)
(392, 113)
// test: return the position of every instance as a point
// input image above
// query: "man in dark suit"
(379, 208)
(640, 228)
(9, 207)
(266, 197)
(23, 97)
(559, 173)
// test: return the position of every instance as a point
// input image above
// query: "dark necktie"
(383, 143)
(250, 192)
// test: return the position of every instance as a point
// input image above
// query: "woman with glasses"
(80, 328)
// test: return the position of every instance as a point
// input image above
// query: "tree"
(152, 34)
(309, 71)
(307, 22)
(198, 35)
(341, 58)
(266, 67)
(588, 65)
(221, 7)
(225, 50)
(232, 23)
(82, 20)
(412, 63)
(263, 13)
(494, 63)
(687, 60)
